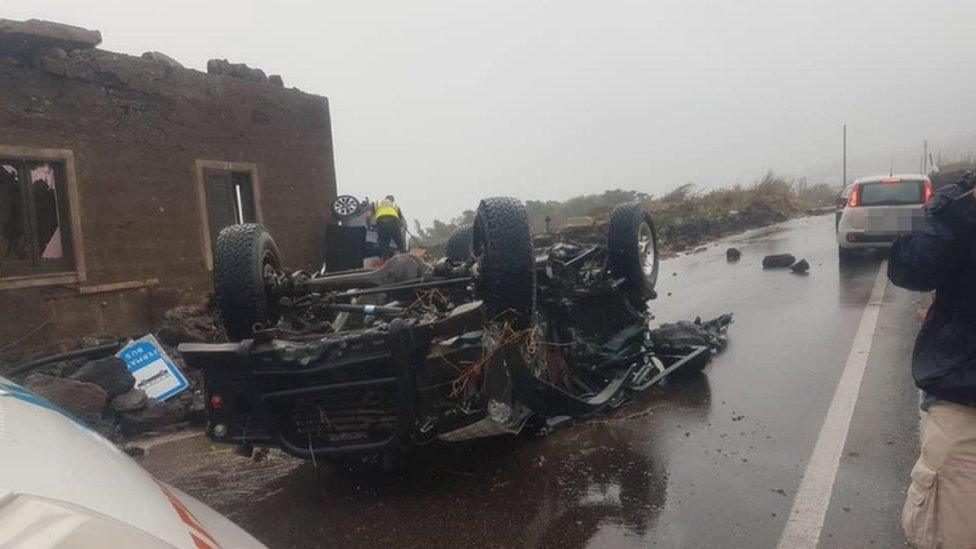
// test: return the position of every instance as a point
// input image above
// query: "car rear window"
(891, 194)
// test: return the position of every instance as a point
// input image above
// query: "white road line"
(806, 518)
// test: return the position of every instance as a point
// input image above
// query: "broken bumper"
(331, 397)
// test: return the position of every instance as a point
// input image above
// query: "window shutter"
(221, 203)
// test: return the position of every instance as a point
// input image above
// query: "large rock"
(130, 401)
(78, 397)
(153, 417)
(163, 59)
(110, 373)
(39, 34)
(237, 70)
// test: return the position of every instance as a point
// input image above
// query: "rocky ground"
(99, 389)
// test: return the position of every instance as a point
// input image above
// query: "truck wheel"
(502, 244)
(632, 241)
(246, 265)
(459, 244)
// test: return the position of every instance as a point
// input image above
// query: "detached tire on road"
(245, 260)
(502, 243)
(632, 242)
(459, 244)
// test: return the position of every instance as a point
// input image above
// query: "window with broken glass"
(35, 228)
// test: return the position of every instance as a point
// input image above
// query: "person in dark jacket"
(940, 510)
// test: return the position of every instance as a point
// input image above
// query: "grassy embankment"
(685, 217)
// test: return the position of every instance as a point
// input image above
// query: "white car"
(64, 485)
(878, 208)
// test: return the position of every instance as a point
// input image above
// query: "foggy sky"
(442, 102)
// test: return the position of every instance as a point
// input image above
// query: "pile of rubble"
(98, 388)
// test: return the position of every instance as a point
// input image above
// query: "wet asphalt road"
(711, 461)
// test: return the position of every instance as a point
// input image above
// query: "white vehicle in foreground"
(64, 485)
(879, 208)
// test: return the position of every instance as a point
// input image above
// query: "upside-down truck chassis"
(379, 361)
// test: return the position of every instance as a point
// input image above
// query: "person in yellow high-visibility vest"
(389, 226)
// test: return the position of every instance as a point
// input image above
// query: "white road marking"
(809, 509)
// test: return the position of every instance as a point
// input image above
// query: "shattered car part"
(377, 361)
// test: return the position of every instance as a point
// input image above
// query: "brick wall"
(136, 128)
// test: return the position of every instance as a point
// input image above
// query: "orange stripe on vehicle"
(188, 519)
(201, 544)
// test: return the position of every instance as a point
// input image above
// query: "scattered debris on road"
(778, 261)
(732, 255)
(784, 261)
(800, 267)
(711, 334)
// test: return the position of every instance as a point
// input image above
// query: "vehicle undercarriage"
(481, 343)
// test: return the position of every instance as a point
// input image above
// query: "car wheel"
(346, 207)
(459, 244)
(502, 244)
(246, 269)
(633, 244)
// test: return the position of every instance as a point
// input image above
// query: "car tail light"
(855, 199)
(216, 402)
(927, 191)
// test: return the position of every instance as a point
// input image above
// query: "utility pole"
(844, 181)
(925, 157)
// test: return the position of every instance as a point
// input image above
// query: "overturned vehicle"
(481, 343)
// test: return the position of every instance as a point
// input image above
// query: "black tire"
(346, 206)
(245, 257)
(459, 244)
(502, 244)
(631, 231)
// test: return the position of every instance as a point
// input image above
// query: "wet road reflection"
(562, 491)
(853, 276)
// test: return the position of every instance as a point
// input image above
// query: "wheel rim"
(346, 205)
(647, 250)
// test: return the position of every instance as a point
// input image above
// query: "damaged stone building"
(117, 172)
